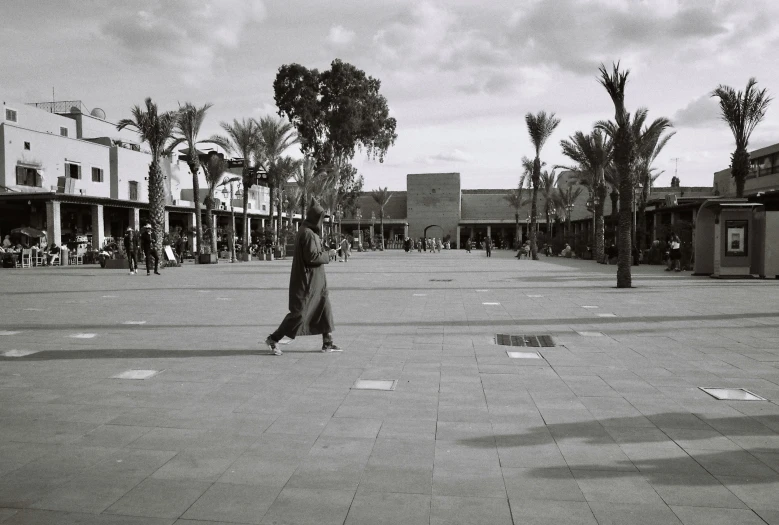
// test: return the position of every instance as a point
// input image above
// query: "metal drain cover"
(525, 340)
(523, 355)
(136, 374)
(732, 394)
(375, 384)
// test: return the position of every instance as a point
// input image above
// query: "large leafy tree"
(742, 111)
(242, 138)
(276, 136)
(189, 119)
(539, 127)
(515, 200)
(592, 154)
(335, 111)
(156, 129)
(624, 160)
(382, 196)
(214, 170)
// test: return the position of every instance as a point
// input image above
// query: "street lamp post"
(568, 210)
(339, 214)
(358, 216)
(232, 217)
(373, 227)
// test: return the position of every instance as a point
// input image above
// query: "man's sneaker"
(330, 347)
(275, 350)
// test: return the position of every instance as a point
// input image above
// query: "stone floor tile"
(616, 487)
(159, 498)
(556, 484)
(769, 516)
(449, 510)
(546, 512)
(470, 481)
(232, 503)
(699, 490)
(196, 465)
(251, 470)
(309, 507)
(407, 429)
(400, 479)
(88, 492)
(756, 493)
(595, 457)
(381, 508)
(633, 514)
(352, 427)
(716, 516)
(48, 517)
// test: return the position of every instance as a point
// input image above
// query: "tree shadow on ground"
(653, 451)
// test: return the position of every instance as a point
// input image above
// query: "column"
(405, 231)
(166, 226)
(458, 237)
(262, 224)
(53, 222)
(190, 233)
(489, 231)
(135, 219)
(248, 239)
(98, 228)
(297, 226)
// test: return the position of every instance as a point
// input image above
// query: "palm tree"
(276, 136)
(156, 129)
(624, 160)
(382, 196)
(213, 169)
(565, 198)
(650, 141)
(304, 179)
(514, 198)
(279, 172)
(547, 187)
(742, 111)
(539, 127)
(188, 121)
(231, 238)
(242, 138)
(592, 154)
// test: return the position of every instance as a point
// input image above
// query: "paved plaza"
(607, 427)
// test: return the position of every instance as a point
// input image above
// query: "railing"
(60, 106)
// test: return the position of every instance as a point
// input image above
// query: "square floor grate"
(375, 384)
(523, 355)
(525, 340)
(732, 394)
(136, 374)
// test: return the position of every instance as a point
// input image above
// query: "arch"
(441, 236)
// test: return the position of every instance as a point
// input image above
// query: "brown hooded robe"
(310, 312)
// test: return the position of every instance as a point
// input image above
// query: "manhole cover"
(82, 336)
(523, 355)
(525, 340)
(732, 394)
(375, 384)
(491, 304)
(137, 374)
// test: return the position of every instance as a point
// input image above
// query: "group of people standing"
(146, 241)
(431, 245)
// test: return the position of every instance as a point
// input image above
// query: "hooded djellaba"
(310, 312)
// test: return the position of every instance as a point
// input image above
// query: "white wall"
(32, 118)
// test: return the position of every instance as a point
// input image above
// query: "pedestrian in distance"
(468, 246)
(131, 249)
(310, 312)
(676, 253)
(149, 245)
(344, 250)
(488, 247)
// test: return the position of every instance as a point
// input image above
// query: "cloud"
(701, 112)
(340, 36)
(187, 35)
(455, 155)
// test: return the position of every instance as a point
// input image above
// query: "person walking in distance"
(310, 312)
(149, 243)
(344, 249)
(131, 249)
(488, 247)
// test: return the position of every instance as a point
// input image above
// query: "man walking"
(149, 243)
(488, 247)
(131, 249)
(310, 312)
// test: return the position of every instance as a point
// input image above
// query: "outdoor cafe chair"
(27, 258)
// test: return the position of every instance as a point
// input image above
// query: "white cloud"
(454, 155)
(701, 112)
(340, 36)
(187, 35)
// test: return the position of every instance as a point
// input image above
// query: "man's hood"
(315, 215)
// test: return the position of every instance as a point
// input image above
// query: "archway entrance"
(434, 230)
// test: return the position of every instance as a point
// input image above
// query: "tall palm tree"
(565, 198)
(382, 196)
(304, 179)
(279, 172)
(539, 127)
(742, 111)
(650, 141)
(547, 188)
(624, 160)
(156, 129)
(276, 136)
(514, 198)
(243, 138)
(214, 169)
(188, 121)
(592, 154)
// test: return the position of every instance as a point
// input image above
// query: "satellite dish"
(98, 113)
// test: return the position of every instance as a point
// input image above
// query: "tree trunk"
(533, 211)
(272, 196)
(381, 237)
(278, 221)
(157, 202)
(194, 167)
(210, 220)
(625, 227)
(740, 169)
(516, 232)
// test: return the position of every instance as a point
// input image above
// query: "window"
(133, 190)
(72, 171)
(10, 115)
(27, 146)
(97, 175)
(63, 131)
(28, 177)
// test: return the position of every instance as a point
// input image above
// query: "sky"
(459, 76)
